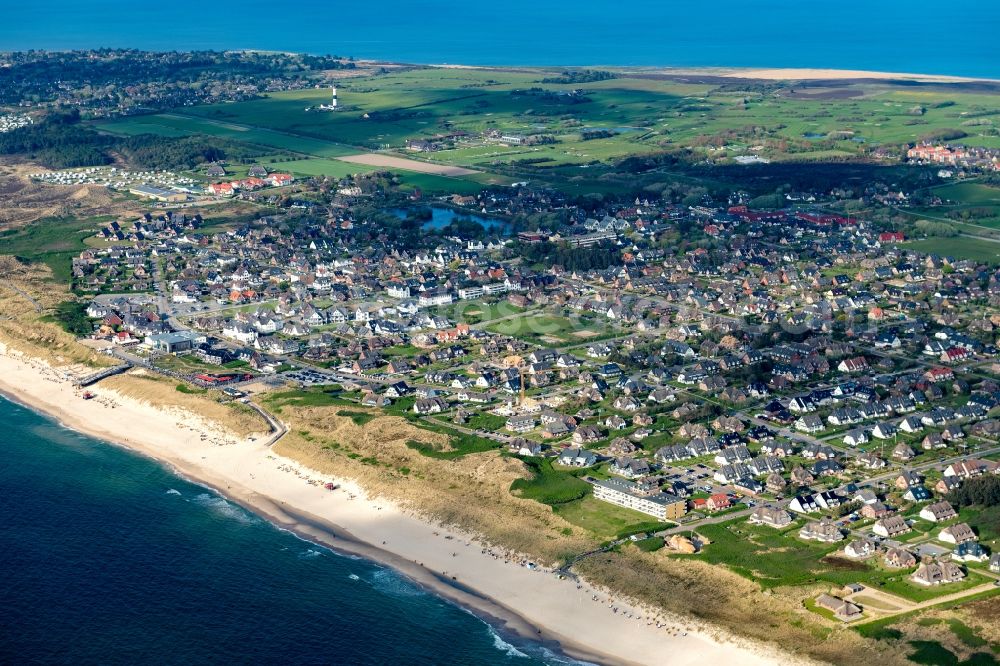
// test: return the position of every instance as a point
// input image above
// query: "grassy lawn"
(970, 193)
(486, 421)
(476, 312)
(551, 329)
(359, 418)
(311, 397)
(460, 445)
(605, 520)
(320, 166)
(773, 558)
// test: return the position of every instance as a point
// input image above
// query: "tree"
(980, 491)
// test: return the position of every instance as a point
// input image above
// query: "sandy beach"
(801, 74)
(581, 621)
(759, 73)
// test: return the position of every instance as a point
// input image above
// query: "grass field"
(778, 559)
(320, 167)
(605, 520)
(551, 329)
(175, 124)
(971, 194)
(642, 113)
(961, 247)
(52, 241)
(971, 207)
(476, 312)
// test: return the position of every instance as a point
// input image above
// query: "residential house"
(891, 526)
(574, 457)
(824, 531)
(899, 558)
(859, 549)
(956, 534)
(938, 512)
(771, 516)
(843, 610)
(937, 573)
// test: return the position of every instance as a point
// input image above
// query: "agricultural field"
(960, 247)
(319, 166)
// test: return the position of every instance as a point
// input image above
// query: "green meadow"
(639, 113)
(961, 247)
(646, 112)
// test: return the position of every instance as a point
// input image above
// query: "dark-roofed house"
(938, 511)
(841, 609)
(937, 573)
(772, 516)
(824, 531)
(891, 526)
(956, 534)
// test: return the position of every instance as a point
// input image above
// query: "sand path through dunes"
(393, 162)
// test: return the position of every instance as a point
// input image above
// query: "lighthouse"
(333, 99)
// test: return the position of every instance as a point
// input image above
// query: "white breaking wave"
(506, 647)
(354, 577)
(224, 508)
(389, 582)
(173, 492)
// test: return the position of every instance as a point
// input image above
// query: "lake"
(442, 216)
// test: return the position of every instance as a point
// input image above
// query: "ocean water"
(109, 558)
(885, 35)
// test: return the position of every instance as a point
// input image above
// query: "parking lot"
(697, 477)
(309, 377)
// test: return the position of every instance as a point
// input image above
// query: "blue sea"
(109, 558)
(923, 36)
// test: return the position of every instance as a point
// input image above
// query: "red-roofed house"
(955, 354)
(221, 189)
(937, 375)
(717, 502)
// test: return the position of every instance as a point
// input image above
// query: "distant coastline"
(853, 35)
(756, 73)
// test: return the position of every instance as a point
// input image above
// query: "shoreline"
(532, 604)
(750, 73)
